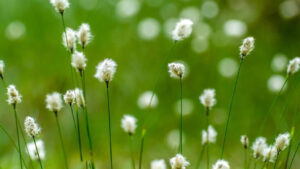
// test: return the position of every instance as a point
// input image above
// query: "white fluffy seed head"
(282, 141)
(208, 99)
(245, 141)
(79, 61)
(54, 102)
(158, 164)
(293, 66)
(60, 5)
(179, 162)
(69, 39)
(31, 127)
(128, 123)
(145, 98)
(209, 136)
(259, 146)
(221, 164)
(13, 95)
(84, 34)
(32, 150)
(2, 65)
(105, 70)
(247, 47)
(69, 97)
(269, 154)
(79, 98)
(176, 70)
(183, 29)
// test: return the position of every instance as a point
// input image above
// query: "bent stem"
(109, 124)
(180, 145)
(61, 140)
(131, 151)
(294, 155)
(142, 147)
(200, 157)
(37, 151)
(17, 128)
(230, 107)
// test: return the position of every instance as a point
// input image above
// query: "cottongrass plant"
(105, 71)
(2, 65)
(208, 136)
(33, 130)
(281, 143)
(245, 49)
(179, 162)
(84, 35)
(54, 104)
(36, 150)
(176, 70)
(221, 164)
(258, 147)
(128, 123)
(158, 164)
(245, 144)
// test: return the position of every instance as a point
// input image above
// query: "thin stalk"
(37, 151)
(255, 163)
(294, 156)
(61, 141)
(131, 151)
(207, 137)
(230, 107)
(109, 125)
(246, 157)
(263, 166)
(19, 144)
(200, 157)
(142, 147)
(181, 125)
(276, 161)
(3, 81)
(79, 135)
(73, 117)
(288, 155)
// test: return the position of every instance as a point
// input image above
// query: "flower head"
(79, 61)
(69, 39)
(176, 70)
(183, 29)
(221, 164)
(69, 97)
(294, 66)
(105, 70)
(84, 34)
(209, 136)
(179, 162)
(145, 99)
(31, 127)
(208, 98)
(13, 95)
(2, 65)
(269, 154)
(128, 124)
(79, 98)
(32, 150)
(245, 141)
(54, 102)
(158, 164)
(247, 47)
(282, 141)
(259, 146)
(60, 5)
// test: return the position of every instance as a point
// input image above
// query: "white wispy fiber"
(2, 65)
(128, 123)
(245, 141)
(32, 150)
(145, 98)
(13, 95)
(158, 164)
(54, 102)
(269, 154)
(69, 39)
(208, 98)
(79, 61)
(282, 141)
(176, 70)
(259, 146)
(60, 5)
(247, 47)
(179, 162)
(69, 97)
(79, 98)
(221, 164)
(105, 70)
(31, 127)
(84, 34)
(211, 137)
(293, 66)
(183, 29)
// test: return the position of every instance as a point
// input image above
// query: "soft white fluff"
(208, 98)
(54, 102)
(269, 154)
(158, 164)
(79, 61)
(69, 97)
(105, 70)
(84, 34)
(60, 5)
(145, 98)
(247, 47)
(293, 66)
(31, 127)
(2, 65)
(176, 70)
(183, 29)
(209, 136)
(221, 164)
(282, 141)
(69, 39)
(259, 146)
(79, 98)
(13, 95)
(179, 162)
(128, 123)
(32, 150)
(245, 141)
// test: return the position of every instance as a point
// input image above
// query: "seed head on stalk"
(79, 61)
(54, 102)
(33, 152)
(84, 34)
(247, 47)
(31, 127)
(208, 99)
(69, 97)
(13, 95)
(293, 66)
(183, 29)
(158, 164)
(128, 124)
(221, 164)
(2, 65)
(176, 70)
(60, 5)
(179, 162)
(209, 136)
(105, 70)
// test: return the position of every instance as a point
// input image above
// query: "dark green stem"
(288, 155)
(200, 156)
(79, 135)
(142, 147)
(109, 125)
(246, 157)
(207, 137)
(230, 107)
(17, 128)
(276, 161)
(37, 151)
(131, 151)
(294, 155)
(181, 125)
(73, 117)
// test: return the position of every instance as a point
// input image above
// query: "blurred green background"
(136, 34)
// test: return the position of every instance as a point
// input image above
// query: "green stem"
(246, 158)
(37, 151)
(207, 137)
(276, 161)
(255, 163)
(79, 135)
(19, 144)
(263, 166)
(109, 125)
(294, 155)
(142, 148)
(73, 117)
(61, 141)
(200, 157)
(181, 125)
(131, 152)
(3, 81)
(288, 155)
(230, 107)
